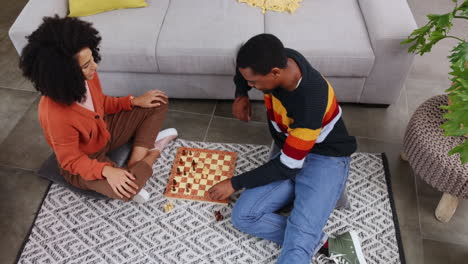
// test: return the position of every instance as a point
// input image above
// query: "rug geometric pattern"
(71, 228)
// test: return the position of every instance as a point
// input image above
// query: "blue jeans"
(315, 191)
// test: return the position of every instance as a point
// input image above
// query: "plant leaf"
(463, 150)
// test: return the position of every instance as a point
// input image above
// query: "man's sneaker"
(320, 249)
(346, 249)
(141, 197)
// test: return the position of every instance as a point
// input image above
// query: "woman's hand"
(121, 181)
(153, 98)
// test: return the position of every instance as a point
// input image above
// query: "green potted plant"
(421, 41)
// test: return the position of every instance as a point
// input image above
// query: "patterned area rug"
(70, 228)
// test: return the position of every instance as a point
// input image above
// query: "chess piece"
(174, 182)
(173, 188)
(168, 207)
(184, 152)
(218, 216)
(178, 171)
(181, 161)
(190, 153)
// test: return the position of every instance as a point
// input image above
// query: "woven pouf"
(426, 148)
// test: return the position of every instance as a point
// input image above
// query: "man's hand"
(221, 190)
(153, 98)
(241, 108)
(121, 181)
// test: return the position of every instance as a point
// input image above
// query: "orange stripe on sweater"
(332, 112)
(299, 143)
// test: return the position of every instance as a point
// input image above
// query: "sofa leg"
(446, 207)
(403, 156)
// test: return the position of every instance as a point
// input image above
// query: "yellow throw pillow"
(274, 5)
(79, 8)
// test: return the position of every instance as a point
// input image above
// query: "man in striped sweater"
(312, 168)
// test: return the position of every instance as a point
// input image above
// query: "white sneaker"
(164, 138)
(166, 132)
(141, 197)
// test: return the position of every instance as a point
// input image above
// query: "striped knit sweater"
(306, 120)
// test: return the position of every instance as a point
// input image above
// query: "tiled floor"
(378, 130)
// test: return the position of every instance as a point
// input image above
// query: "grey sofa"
(187, 47)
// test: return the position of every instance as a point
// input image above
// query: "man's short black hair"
(262, 53)
(48, 58)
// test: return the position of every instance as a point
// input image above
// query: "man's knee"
(241, 220)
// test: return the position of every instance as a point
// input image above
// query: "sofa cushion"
(203, 36)
(331, 34)
(129, 37)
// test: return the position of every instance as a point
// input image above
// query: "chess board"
(195, 171)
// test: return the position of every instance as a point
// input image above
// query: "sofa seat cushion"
(129, 37)
(203, 36)
(331, 34)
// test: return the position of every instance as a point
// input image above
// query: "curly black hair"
(262, 53)
(48, 59)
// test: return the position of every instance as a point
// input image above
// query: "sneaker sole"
(357, 247)
(166, 133)
(321, 243)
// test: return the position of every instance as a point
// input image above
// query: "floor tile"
(205, 107)
(421, 9)
(10, 74)
(27, 86)
(9, 12)
(386, 124)
(418, 91)
(229, 130)
(21, 194)
(13, 105)
(436, 252)
(25, 147)
(413, 246)
(189, 126)
(455, 231)
(224, 109)
(435, 65)
(3, 34)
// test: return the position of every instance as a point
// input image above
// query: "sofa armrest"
(31, 17)
(388, 23)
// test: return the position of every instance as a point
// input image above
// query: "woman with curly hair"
(80, 123)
